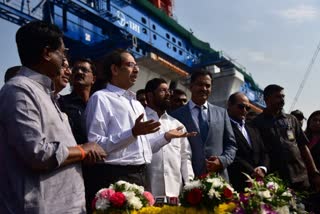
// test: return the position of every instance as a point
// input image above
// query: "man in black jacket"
(250, 157)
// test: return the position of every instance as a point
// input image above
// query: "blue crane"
(93, 27)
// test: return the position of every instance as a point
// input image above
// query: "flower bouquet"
(209, 192)
(269, 195)
(121, 197)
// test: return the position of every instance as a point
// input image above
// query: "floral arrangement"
(208, 192)
(121, 196)
(269, 195)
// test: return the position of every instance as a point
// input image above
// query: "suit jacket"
(247, 157)
(220, 140)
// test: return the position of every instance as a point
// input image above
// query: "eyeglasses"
(81, 68)
(131, 65)
(243, 106)
(65, 51)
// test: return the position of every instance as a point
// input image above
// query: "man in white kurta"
(171, 164)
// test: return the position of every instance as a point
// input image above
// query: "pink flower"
(118, 199)
(149, 197)
(107, 193)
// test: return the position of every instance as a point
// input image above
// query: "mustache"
(204, 92)
(77, 76)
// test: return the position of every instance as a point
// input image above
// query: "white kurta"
(171, 164)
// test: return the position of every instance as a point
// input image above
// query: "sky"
(274, 40)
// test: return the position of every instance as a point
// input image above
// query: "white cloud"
(250, 25)
(260, 57)
(248, 57)
(300, 13)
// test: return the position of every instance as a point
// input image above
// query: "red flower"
(227, 193)
(203, 176)
(194, 197)
(118, 199)
(93, 203)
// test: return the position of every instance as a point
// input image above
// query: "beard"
(163, 105)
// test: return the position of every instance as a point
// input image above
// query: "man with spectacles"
(117, 121)
(74, 104)
(39, 158)
(214, 148)
(62, 80)
(251, 157)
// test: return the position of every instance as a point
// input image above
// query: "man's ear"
(149, 97)
(46, 54)
(94, 78)
(114, 70)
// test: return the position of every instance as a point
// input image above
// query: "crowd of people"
(57, 151)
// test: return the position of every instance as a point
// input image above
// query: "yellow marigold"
(172, 209)
(148, 210)
(225, 208)
(193, 210)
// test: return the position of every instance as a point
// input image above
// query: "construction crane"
(305, 77)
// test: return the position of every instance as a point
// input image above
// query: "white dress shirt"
(195, 112)
(243, 130)
(110, 117)
(172, 162)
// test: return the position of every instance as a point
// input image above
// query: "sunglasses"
(243, 106)
(131, 65)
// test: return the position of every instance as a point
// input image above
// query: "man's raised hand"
(145, 127)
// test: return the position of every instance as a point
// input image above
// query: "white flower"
(283, 210)
(135, 203)
(129, 195)
(264, 194)
(139, 188)
(126, 184)
(212, 193)
(272, 185)
(216, 182)
(287, 194)
(247, 189)
(102, 204)
(193, 184)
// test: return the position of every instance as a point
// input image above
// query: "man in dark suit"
(250, 157)
(214, 149)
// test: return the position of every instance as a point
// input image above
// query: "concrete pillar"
(224, 84)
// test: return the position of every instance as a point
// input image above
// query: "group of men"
(47, 140)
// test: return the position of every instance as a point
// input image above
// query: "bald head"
(238, 106)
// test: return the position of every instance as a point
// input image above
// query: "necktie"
(244, 132)
(203, 125)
